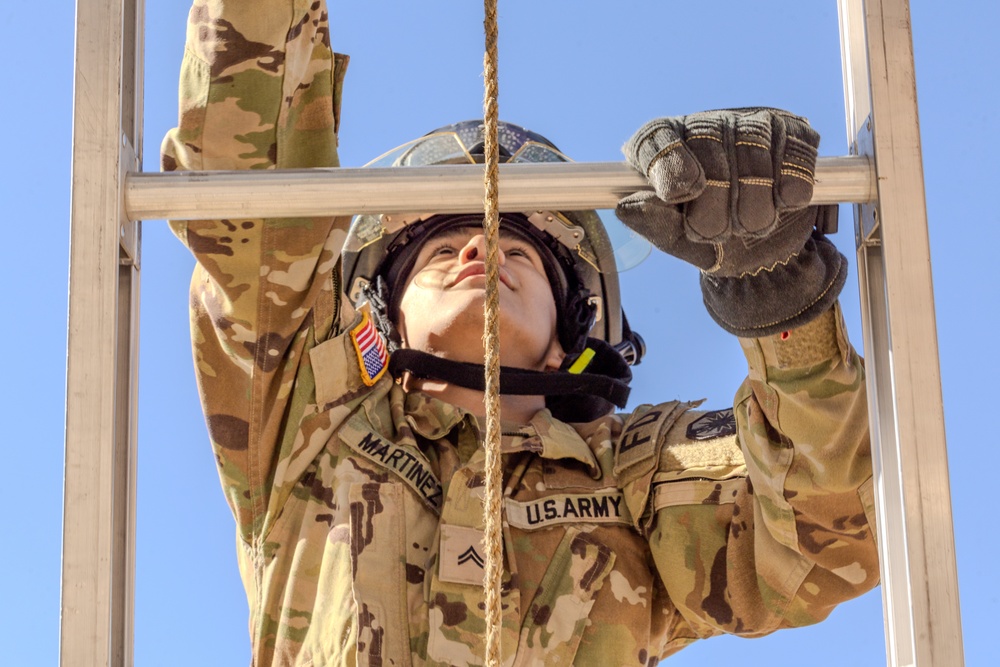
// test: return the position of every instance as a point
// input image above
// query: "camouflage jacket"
(358, 505)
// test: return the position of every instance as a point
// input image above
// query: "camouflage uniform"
(358, 507)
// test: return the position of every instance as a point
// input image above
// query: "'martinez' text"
(410, 466)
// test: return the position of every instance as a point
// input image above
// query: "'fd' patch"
(373, 357)
(716, 424)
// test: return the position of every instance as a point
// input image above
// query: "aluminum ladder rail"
(98, 560)
(110, 196)
(906, 411)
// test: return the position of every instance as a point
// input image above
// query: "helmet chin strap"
(570, 396)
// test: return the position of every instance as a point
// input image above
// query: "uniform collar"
(559, 440)
(543, 434)
(433, 418)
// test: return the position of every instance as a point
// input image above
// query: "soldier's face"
(441, 310)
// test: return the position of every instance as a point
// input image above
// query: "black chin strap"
(572, 397)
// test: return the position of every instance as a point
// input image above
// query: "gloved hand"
(732, 189)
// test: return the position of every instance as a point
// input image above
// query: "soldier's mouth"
(474, 269)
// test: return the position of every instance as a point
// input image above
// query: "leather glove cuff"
(771, 301)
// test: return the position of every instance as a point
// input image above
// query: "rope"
(493, 576)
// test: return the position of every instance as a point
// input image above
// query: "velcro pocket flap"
(336, 369)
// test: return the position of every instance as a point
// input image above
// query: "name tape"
(406, 463)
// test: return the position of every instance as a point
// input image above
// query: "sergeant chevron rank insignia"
(715, 424)
(462, 555)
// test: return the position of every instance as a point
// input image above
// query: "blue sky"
(586, 74)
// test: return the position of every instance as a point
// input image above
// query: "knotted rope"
(493, 576)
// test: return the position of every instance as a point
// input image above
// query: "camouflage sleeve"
(771, 526)
(259, 89)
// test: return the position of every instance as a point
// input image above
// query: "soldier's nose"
(475, 250)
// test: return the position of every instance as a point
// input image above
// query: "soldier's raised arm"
(759, 517)
(259, 89)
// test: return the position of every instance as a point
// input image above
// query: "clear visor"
(627, 249)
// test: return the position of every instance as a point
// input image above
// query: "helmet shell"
(374, 239)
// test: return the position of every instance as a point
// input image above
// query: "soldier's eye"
(442, 250)
(517, 251)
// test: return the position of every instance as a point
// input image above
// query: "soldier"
(340, 388)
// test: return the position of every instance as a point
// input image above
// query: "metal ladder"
(884, 177)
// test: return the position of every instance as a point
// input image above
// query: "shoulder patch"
(638, 446)
(373, 357)
(715, 424)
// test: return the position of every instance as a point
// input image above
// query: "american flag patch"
(373, 359)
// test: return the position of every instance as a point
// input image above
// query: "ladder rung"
(443, 189)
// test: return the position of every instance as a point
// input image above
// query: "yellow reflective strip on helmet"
(582, 361)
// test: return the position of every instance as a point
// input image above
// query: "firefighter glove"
(731, 193)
